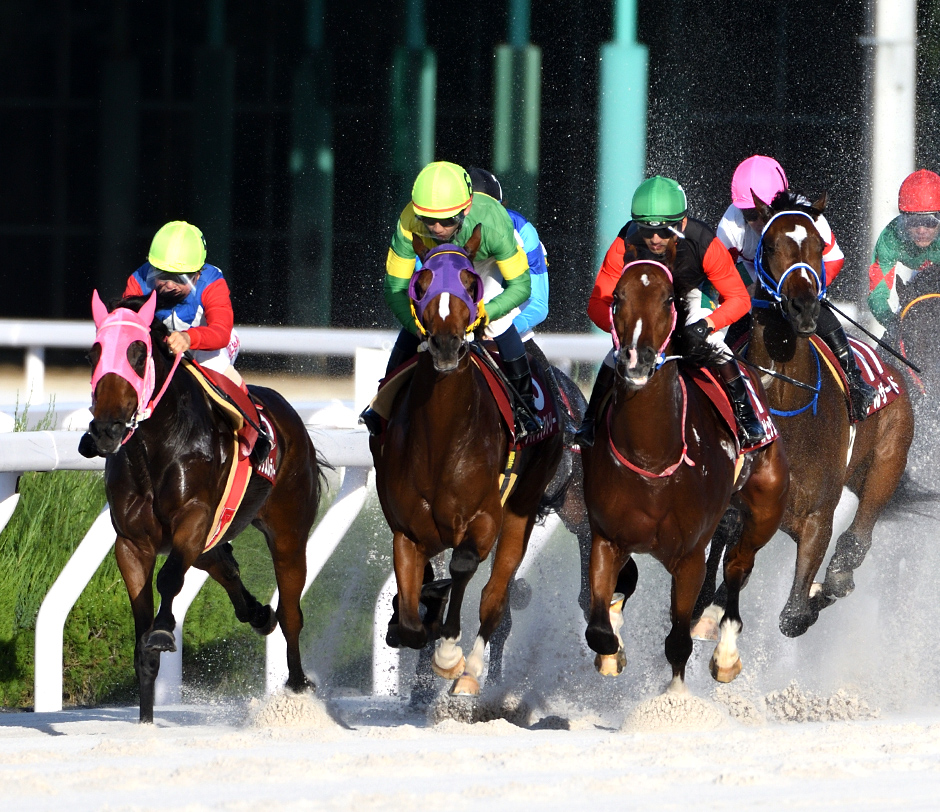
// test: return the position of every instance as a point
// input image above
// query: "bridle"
(775, 287)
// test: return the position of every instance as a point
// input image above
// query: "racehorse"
(659, 477)
(826, 451)
(168, 460)
(438, 474)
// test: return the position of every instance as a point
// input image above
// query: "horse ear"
(762, 208)
(820, 205)
(421, 250)
(473, 244)
(149, 308)
(98, 310)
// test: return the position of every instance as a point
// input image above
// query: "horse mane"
(792, 201)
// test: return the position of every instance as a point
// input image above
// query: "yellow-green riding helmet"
(441, 190)
(178, 247)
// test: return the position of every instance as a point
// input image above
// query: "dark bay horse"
(439, 470)
(168, 460)
(658, 480)
(826, 452)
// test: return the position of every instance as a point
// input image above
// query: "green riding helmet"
(441, 190)
(178, 247)
(659, 201)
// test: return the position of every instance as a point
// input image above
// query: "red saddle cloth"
(705, 380)
(872, 369)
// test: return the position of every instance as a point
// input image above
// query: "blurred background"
(290, 131)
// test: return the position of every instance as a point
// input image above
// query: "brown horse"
(658, 479)
(825, 450)
(165, 476)
(439, 469)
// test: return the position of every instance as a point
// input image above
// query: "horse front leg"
(136, 566)
(710, 606)
(803, 604)
(609, 568)
(687, 580)
(409, 575)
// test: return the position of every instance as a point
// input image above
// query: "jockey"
(906, 248)
(193, 302)
(740, 230)
(660, 220)
(443, 209)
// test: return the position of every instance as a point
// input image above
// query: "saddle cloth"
(872, 369)
(705, 380)
(240, 472)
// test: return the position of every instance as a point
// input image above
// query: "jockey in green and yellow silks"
(443, 209)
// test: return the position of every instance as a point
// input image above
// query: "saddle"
(234, 404)
(871, 367)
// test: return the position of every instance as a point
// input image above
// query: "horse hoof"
(392, 640)
(611, 665)
(838, 585)
(465, 685)
(160, 640)
(725, 674)
(268, 625)
(449, 673)
(705, 628)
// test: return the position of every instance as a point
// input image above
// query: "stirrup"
(585, 435)
(261, 449)
(861, 397)
(372, 420)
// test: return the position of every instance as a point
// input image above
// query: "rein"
(683, 457)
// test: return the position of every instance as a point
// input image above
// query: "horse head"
(123, 376)
(789, 259)
(445, 298)
(643, 316)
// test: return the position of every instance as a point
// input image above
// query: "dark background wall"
(727, 79)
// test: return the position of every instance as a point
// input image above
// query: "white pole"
(168, 689)
(893, 126)
(35, 375)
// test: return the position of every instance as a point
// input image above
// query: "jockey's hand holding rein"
(178, 343)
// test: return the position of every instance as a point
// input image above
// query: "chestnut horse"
(826, 451)
(165, 474)
(658, 480)
(438, 474)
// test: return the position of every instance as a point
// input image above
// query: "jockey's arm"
(832, 253)
(517, 285)
(536, 307)
(399, 267)
(217, 307)
(607, 278)
(721, 272)
(880, 296)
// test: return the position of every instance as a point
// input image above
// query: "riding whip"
(779, 375)
(880, 343)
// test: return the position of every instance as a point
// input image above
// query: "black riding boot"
(405, 347)
(520, 377)
(605, 379)
(861, 393)
(750, 431)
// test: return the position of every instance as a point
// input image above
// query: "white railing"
(35, 336)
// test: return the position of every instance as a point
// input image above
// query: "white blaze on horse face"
(645, 280)
(798, 234)
(444, 307)
(637, 329)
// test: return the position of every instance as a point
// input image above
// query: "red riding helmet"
(920, 192)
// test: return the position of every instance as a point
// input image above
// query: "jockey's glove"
(697, 332)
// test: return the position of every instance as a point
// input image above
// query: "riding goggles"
(446, 222)
(925, 220)
(663, 230)
(185, 279)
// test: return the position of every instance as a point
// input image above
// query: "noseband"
(771, 285)
(661, 358)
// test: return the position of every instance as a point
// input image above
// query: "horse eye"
(670, 300)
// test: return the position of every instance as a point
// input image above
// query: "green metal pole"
(213, 109)
(622, 142)
(412, 90)
(311, 169)
(517, 96)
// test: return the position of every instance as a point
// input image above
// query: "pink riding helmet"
(760, 173)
